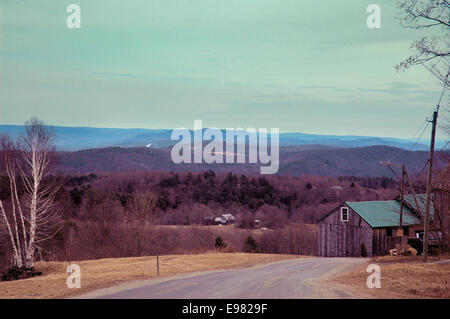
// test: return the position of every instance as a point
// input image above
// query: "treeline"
(116, 214)
(186, 198)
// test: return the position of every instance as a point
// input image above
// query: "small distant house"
(370, 227)
(229, 218)
(337, 189)
(224, 219)
(219, 221)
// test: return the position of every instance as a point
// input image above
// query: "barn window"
(344, 214)
(389, 232)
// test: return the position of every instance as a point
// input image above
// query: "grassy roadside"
(103, 273)
(401, 277)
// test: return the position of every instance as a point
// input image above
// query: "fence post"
(157, 265)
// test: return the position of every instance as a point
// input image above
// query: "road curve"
(297, 278)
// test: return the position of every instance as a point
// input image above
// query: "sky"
(300, 66)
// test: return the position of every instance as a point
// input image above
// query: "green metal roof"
(421, 199)
(384, 213)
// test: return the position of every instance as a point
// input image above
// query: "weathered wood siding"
(442, 203)
(338, 238)
(383, 243)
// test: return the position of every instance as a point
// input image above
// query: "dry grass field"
(218, 230)
(401, 277)
(108, 272)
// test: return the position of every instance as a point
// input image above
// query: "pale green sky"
(299, 65)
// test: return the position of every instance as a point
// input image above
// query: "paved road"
(299, 278)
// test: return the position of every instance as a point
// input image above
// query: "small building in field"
(224, 219)
(369, 228)
(219, 221)
(229, 218)
(337, 189)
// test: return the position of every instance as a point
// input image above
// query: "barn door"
(342, 232)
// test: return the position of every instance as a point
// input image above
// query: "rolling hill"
(78, 138)
(320, 160)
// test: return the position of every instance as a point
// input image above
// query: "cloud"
(115, 74)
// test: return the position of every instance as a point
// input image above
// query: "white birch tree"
(30, 215)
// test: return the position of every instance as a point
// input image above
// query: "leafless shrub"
(292, 239)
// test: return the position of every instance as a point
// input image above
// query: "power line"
(430, 113)
(442, 94)
(416, 142)
(438, 154)
(438, 104)
(444, 146)
(421, 134)
(423, 168)
(442, 149)
(426, 122)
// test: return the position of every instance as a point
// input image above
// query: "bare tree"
(29, 219)
(432, 51)
(140, 216)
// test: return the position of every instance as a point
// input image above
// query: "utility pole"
(402, 191)
(426, 224)
(414, 195)
(400, 230)
(404, 174)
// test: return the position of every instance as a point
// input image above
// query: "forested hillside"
(294, 160)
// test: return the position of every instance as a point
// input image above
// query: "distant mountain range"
(87, 149)
(79, 138)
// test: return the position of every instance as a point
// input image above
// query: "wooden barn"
(369, 228)
(441, 190)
